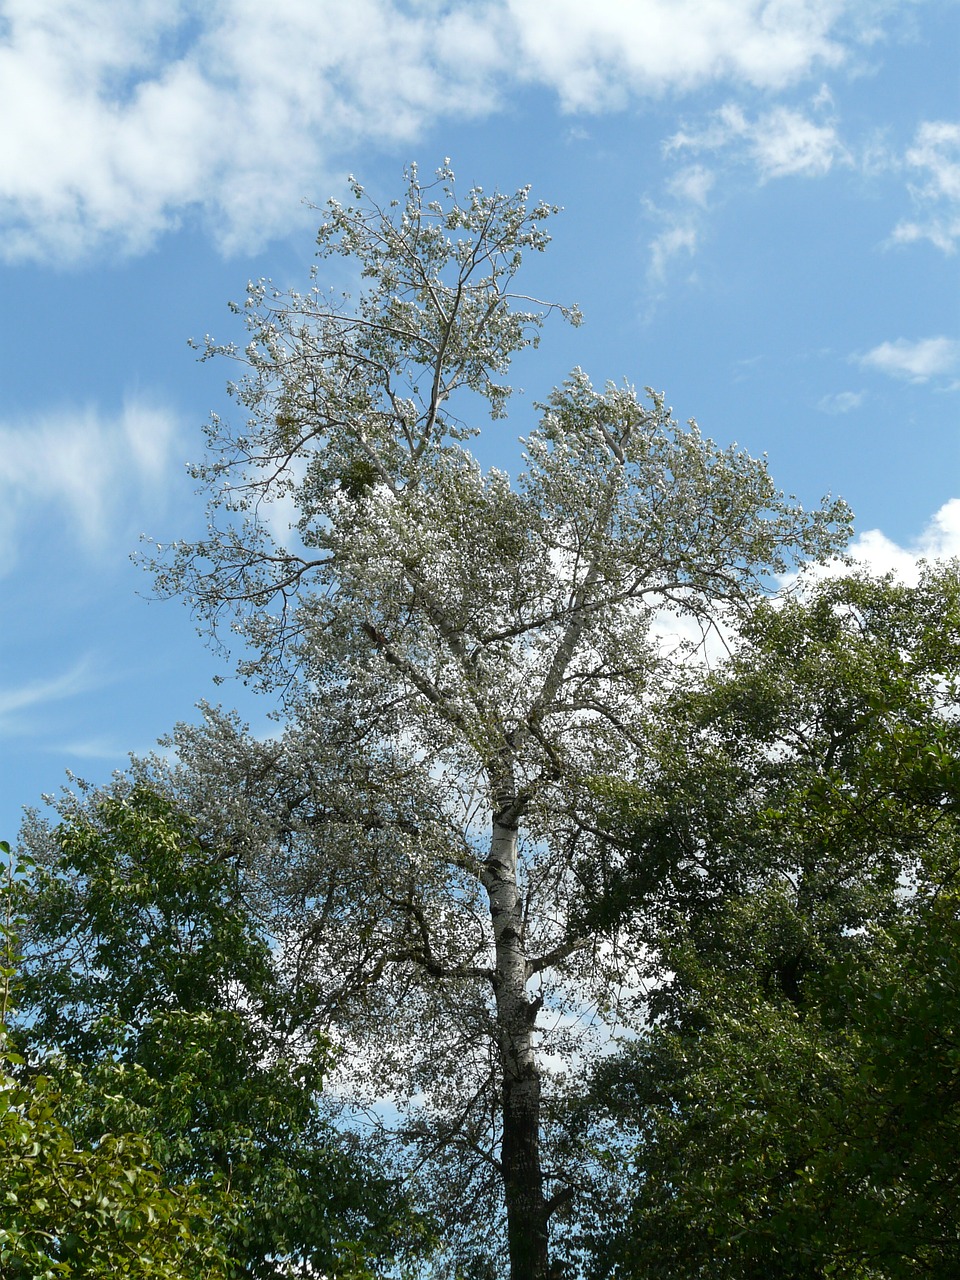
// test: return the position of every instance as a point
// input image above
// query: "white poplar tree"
(460, 653)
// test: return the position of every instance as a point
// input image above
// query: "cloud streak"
(79, 679)
(84, 469)
(841, 402)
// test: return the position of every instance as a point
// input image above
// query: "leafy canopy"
(145, 966)
(794, 857)
(70, 1207)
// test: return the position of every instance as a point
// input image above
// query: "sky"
(761, 219)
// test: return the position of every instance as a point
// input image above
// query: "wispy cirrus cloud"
(778, 143)
(78, 679)
(791, 141)
(775, 143)
(841, 402)
(83, 471)
(99, 747)
(933, 161)
(680, 221)
(917, 361)
(116, 121)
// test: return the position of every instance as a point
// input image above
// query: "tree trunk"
(527, 1211)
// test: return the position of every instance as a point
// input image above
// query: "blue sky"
(762, 217)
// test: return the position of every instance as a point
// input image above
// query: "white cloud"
(678, 239)
(595, 55)
(95, 748)
(84, 468)
(681, 221)
(841, 402)
(680, 635)
(692, 184)
(680, 218)
(116, 118)
(785, 142)
(937, 149)
(879, 554)
(935, 157)
(779, 143)
(940, 540)
(918, 361)
(79, 679)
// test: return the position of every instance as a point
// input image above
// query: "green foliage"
(140, 918)
(105, 1209)
(93, 1209)
(144, 966)
(793, 1143)
(820, 753)
(795, 1111)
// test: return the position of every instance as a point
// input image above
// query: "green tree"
(69, 1207)
(145, 969)
(457, 652)
(793, 863)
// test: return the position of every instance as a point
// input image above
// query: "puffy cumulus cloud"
(595, 55)
(918, 361)
(786, 142)
(874, 551)
(680, 636)
(118, 118)
(940, 540)
(934, 158)
(85, 471)
(82, 145)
